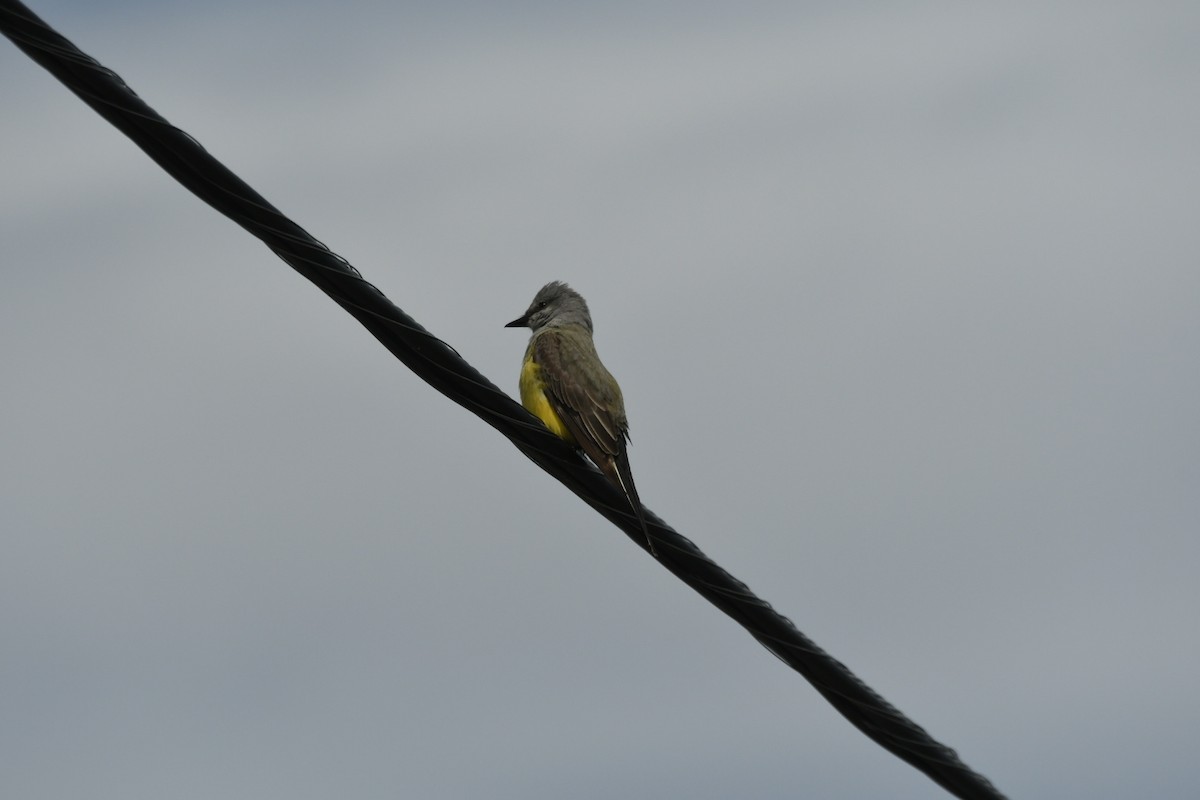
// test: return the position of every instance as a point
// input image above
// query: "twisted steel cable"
(440, 366)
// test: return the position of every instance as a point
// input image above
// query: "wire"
(439, 365)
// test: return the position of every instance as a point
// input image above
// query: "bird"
(564, 384)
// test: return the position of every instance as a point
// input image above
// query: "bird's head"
(554, 304)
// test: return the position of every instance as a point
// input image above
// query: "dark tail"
(624, 479)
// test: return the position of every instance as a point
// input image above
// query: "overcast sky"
(904, 300)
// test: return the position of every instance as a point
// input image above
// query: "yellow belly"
(533, 397)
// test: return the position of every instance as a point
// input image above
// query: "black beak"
(519, 322)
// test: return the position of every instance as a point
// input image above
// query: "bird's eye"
(542, 304)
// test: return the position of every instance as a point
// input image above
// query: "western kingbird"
(564, 385)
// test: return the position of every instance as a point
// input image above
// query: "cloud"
(902, 301)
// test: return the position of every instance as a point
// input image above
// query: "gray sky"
(904, 300)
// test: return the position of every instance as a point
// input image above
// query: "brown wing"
(588, 400)
(583, 393)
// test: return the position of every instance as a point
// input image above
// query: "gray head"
(554, 305)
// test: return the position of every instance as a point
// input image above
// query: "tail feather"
(619, 473)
